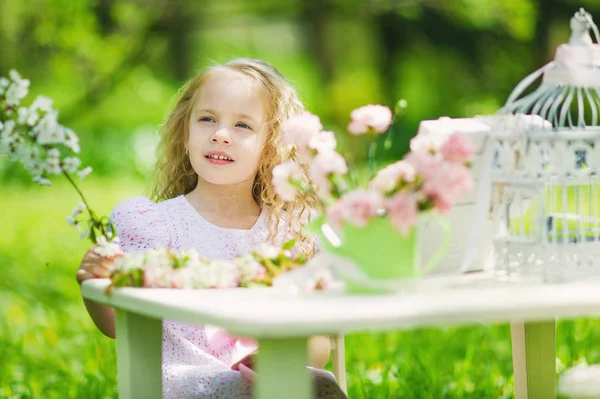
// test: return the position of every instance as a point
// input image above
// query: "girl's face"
(228, 128)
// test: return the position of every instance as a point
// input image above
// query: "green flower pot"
(384, 255)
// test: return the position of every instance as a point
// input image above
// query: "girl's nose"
(221, 136)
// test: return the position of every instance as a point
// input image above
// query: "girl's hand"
(247, 373)
(94, 266)
(247, 361)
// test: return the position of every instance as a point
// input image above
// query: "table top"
(272, 313)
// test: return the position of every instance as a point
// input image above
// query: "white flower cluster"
(163, 268)
(33, 136)
(108, 249)
(581, 382)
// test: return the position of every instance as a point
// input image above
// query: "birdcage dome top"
(568, 96)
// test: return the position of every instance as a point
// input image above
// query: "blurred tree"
(113, 66)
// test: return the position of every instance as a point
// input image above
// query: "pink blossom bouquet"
(431, 177)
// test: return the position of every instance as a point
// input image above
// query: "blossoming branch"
(32, 136)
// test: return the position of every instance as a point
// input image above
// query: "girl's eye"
(243, 125)
(207, 119)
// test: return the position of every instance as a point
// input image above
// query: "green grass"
(49, 348)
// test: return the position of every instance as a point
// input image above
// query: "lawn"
(49, 348)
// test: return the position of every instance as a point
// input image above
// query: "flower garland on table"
(32, 136)
(163, 268)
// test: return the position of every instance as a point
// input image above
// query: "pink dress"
(197, 360)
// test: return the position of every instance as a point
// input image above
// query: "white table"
(282, 322)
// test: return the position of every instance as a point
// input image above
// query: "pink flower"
(387, 178)
(335, 214)
(322, 142)
(427, 143)
(300, 129)
(370, 118)
(457, 149)
(282, 176)
(153, 277)
(442, 203)
(403, 211)
(424, 163)
(355, 207)
(447, 184)
(324, 165)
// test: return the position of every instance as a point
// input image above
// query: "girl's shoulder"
(142, 224)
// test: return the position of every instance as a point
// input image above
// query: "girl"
(218, 150)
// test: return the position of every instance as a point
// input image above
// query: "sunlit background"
(114, 68)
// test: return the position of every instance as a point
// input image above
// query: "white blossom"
(249, 268)
(4, 83)
(48, 131)
(267, 251)
(72, 141)
(52, 166)
(33, 167)
(53, 153)
(17, 90)
(71, 221)
(131, 261)
(582, 381)
(42, 103)
(32, 117)
(218, 274)
(76, 211)
(82, 174)
(22, 115)
(6, 136)
(8, 127)
(42, 180)
(14, 75)
(30, 157)
(107, 249)
(70, 164)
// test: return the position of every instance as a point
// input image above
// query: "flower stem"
(372, 149)
(81, 195)
(389, 138)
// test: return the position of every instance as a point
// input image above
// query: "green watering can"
(383, 255)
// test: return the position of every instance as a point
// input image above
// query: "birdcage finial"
(572, 78)
(581, 23)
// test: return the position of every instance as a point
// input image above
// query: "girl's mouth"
(218, 159)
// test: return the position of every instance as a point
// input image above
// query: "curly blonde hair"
(175, 175)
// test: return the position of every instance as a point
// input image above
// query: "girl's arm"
(319, 350)
(96, 266)
(103, 316)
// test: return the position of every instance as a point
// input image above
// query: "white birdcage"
(545, 165)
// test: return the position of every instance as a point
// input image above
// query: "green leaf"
(289, 244)
(137, 276)
(113, 229)
(301, 259)
(93, 235)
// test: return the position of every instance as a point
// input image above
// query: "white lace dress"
(197, 360)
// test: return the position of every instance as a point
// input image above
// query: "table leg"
(139, 346)
(338, 362)
(534, 359)
(281, 369)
